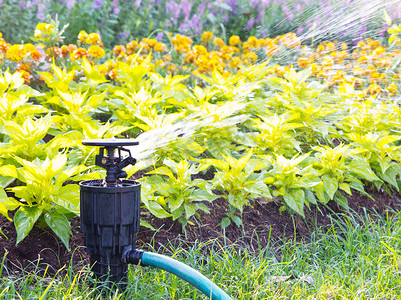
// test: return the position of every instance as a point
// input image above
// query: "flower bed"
(295, 135)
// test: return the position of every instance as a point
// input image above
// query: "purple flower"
(250, 24)
(159, 36)
(97, 4)
(124, 35)
(40, 14)
(260, 16)
(70, 3)
(300, 30)
(201, 8)
(116, 11)
(254, 3)
(173, 9)
(114, 4)
(138, 3)
(186, 7)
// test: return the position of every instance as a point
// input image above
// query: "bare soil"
(262, 223)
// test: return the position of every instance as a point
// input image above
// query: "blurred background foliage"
(119, 21)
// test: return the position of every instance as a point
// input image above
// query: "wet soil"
(263, 223)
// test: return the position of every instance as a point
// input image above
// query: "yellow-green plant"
(276, 135)
(238, 182)
(43, 195)
(171, 192)
(292, 181)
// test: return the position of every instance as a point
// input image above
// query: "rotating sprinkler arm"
(179, 269)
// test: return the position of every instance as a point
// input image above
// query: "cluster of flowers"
(368, 67)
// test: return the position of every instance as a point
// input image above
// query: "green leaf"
(390, 176)
(190, 210)
(175, 202)
(146, 224)
(60, 225)
(345, 187)
(225, 222)
(237, 220)
(356, 185)
(68, 197)
(295, 199)
(259, 188)
(24, 220)
(6, 181)
(7, 204)
(341, 200)
(177, 213)
(156, 209)
(202, 195)
(330, 185)
(361, 168)
(310, 197)
(8, 171)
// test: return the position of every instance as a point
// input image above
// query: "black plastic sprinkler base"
(110, 221)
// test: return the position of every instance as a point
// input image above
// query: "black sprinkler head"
(110, 211)
(113, 164)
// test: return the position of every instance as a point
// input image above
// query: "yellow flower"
(92, 38)
(234, 40)
(303, 62)
(219, 42)
(392, 90)
(82, 36)
(118, 50)
(96, 51)
(44, 29)
(206, 36)
(199, 49)
(327, 62)
(373, 89)
(131, 46)
(252, 56)
(290, 40)
(160, 47)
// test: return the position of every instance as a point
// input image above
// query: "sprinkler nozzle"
(113, 164)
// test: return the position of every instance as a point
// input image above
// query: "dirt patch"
(263, 223)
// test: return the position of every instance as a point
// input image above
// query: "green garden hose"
(183, 271)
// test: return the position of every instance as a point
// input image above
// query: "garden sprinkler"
(110, 221)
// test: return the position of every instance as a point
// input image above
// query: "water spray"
(110, 219)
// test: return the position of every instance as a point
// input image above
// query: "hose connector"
(132, 256)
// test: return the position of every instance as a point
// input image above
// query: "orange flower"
(303, 62)
(373, 89)
(64, 51)
(79, 53)
(119, 49)
(131, 46)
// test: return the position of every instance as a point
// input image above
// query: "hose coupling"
(133, 256)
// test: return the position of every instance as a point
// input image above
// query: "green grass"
(356, 258)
